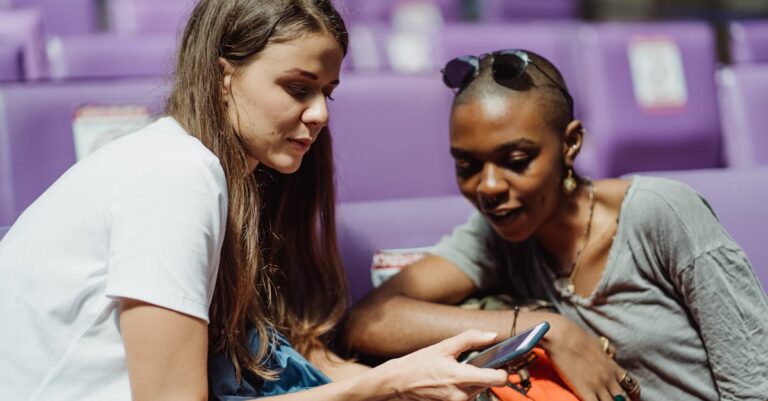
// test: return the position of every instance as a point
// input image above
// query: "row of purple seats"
(36, 134)
(737, 196)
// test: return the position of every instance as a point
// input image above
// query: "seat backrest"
(749, 41)
(36, 135)
(650, 97)
(148, 16)
(738, 197)
(10, 62)
(24, 28)
(110, 55)
(370, 226)
(64, 17)
(390, 136)
(742, 96)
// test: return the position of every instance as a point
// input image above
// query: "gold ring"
(629, 384)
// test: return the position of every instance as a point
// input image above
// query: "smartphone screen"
(508, 350)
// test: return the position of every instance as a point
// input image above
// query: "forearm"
(416, 324)
(363, 387)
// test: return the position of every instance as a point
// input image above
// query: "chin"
(511, 235)
(285, 166)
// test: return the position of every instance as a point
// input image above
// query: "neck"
(563, 233)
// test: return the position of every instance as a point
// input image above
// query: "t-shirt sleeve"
(167, 225)
(719, 288)
(470, 248)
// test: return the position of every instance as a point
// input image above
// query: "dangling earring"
(569, 182)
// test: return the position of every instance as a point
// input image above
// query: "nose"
(316, 113)
(492, 189)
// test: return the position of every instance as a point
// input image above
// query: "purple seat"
(527, 9)
(738, 198)
(23, 28)
(366, 227)
(148, 16)
(3, 230)
(749, 41)
(391, 137)
(650, 97)
(61, 17)
(36, 138)
(742, 95)
(10, 62)
(110, 55)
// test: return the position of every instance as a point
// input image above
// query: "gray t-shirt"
(678, 297)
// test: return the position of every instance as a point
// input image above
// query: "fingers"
(630, 385)
(466, 340)
(479, 377)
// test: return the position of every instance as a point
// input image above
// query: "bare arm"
(166, 352)
(417, 308)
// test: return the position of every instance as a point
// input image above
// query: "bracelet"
(513, 331)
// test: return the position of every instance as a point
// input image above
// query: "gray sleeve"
(730, 308)
(714, 278)
(470, 248)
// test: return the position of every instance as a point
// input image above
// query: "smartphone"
(510, 350)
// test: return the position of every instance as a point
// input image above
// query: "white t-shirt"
(141, 218)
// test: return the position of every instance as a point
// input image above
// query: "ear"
(228, 70)
(573, 137)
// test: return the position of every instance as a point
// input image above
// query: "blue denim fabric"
(296, 374)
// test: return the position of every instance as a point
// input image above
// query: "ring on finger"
(629, 384)
(619, 397)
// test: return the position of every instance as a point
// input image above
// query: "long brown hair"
(280, 267)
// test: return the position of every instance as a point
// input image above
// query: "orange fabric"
(546, 384)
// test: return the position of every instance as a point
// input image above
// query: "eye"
(518, 162)
(328, 96)
(466, 168)
(297, 90)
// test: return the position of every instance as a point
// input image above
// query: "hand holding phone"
(509, 351)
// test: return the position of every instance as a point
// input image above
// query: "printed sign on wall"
(658, 76)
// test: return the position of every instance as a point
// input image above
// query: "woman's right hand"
(582, 363)
(433, 373)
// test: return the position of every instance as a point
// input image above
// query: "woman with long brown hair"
(209, 231)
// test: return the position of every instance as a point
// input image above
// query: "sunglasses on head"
(506, 67)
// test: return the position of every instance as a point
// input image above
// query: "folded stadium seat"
(36, 131)
(10, 62)
(391, 137)
(742, 95)
(370, 226)
(148, 16)
(61, 17)
(376, 47)
(650, 97)
(110, 55)
(23, 28)
(749, 41)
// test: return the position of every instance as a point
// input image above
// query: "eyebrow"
(310, 75)
(505, 147)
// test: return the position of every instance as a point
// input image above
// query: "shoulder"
(673, 217)
(164, 152)
(663, 197)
